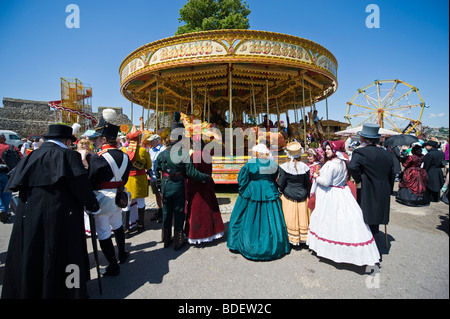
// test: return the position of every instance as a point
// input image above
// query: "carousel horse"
(273, 138)
(315, 128)
(296, 132)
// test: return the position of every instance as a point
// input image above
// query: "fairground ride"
(393, 104)
(244, 73)
(75, 105)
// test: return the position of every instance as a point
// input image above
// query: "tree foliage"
(204, 15)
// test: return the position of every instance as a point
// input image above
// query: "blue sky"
(412, 44)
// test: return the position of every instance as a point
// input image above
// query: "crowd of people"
(333, 204)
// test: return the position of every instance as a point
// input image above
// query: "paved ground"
(414, 265)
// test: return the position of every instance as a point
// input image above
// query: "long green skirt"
(257, 229)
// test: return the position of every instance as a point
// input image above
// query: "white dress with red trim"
(337, 230)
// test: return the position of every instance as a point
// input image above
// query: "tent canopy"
(354, 130)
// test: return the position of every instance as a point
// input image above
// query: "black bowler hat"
(60, 131)
(370, 131)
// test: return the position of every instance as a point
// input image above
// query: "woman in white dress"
(337, 230)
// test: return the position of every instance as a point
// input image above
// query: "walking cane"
(95, 249)
(385, 234)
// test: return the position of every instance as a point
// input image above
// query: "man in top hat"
(137, 183)
(48, 234)
(171, 168)
(433, 164)
(373, 167)
(108, 171)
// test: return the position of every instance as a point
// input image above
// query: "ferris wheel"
(393, 104)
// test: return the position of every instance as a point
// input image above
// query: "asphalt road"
(414, 265)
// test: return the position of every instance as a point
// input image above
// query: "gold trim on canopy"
(280, 68)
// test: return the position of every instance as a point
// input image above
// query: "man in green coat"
(171, 168)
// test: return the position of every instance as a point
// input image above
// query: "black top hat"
(60, 131)
(106, 129)
(370, 131)
(176, 125)
(431, 143)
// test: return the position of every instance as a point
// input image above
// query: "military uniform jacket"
(137, 183)
(100, 171)
(173, 171)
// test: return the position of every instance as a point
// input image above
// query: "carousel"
(224, 80)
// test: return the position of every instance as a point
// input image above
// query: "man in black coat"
(373, 167)
(433, 164)
(47, 254)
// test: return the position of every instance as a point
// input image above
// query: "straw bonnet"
(294, 149)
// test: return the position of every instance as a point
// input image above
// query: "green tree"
(203, 15)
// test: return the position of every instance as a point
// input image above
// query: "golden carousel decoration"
(244, 73)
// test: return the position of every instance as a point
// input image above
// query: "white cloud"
(432, 115)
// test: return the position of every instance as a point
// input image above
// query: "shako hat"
(105, 128)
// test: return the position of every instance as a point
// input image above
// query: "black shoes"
(158, 216)
(4, 217)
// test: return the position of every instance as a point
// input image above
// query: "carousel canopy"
(251, 66)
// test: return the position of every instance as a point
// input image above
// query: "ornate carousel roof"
(288, 71)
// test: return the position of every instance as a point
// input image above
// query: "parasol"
(399, 140)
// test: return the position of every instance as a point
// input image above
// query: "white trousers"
(110, 217)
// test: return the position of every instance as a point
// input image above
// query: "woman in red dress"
(412, 187)
(203, 221)
(314, 161)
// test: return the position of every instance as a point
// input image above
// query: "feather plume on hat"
(75, 128)
(109, 115)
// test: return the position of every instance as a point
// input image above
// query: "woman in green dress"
(257, 228)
